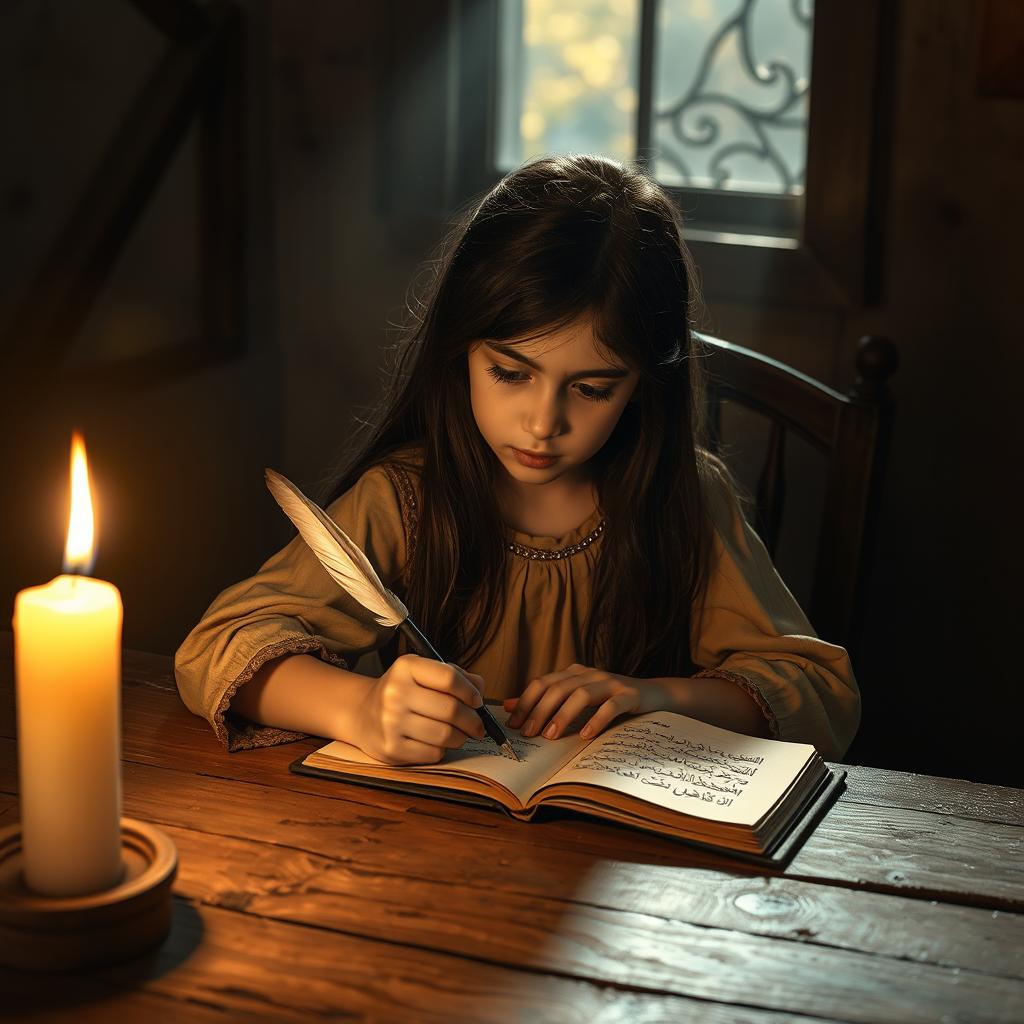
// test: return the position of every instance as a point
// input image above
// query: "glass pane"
(731, 87)
(567, 79)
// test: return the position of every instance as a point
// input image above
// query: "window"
(810, 240)
(457, 105)
(713, 97)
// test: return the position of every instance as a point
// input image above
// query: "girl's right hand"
(418, 709)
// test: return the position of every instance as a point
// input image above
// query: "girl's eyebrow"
(511, 353)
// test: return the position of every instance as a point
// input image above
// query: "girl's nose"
(544, 418)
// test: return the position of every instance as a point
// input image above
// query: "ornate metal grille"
(740, 116)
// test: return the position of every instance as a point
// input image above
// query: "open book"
(660, 772)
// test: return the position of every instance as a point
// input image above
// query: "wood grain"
(917, 853)
(612, 951)
(980, 801)
(263, 969)
(423, 905)
(504, 863)
(80, 998)
(877, 918)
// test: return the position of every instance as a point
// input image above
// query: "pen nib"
(509, 751)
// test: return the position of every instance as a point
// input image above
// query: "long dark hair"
(556, 239)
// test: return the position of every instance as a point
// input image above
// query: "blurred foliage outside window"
(730, 84)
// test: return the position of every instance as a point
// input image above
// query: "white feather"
(338, 553)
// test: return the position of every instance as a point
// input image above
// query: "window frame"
(719, 211)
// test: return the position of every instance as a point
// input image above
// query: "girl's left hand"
(561, 696)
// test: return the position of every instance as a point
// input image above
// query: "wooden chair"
(852, 432)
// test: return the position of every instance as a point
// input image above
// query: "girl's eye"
(505, 376)
(595, 394)
(499, 373)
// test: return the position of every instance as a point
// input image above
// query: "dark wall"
(176, 454)
(941, 693)
(946, 603)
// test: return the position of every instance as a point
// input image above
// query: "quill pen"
(348, 566)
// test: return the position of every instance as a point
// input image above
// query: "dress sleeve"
(753, 632)
(291, 606)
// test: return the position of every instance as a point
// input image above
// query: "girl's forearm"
(304, 694)
(712, 700)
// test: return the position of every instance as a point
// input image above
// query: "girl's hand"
(418, 709)
(551, 702)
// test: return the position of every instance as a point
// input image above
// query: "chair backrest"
(852, 432)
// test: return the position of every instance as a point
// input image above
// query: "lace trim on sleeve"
(238, 733)
(746, 684)
(410, 513)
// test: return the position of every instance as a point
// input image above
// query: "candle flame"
(79, 551)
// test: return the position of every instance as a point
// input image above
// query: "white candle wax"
(67, 650)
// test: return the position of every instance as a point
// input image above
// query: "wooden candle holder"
(56, 933)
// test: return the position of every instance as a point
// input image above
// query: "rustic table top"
(299, 898)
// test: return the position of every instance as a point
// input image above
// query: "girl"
(536, 492)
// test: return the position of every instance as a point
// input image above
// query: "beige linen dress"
(752, 631)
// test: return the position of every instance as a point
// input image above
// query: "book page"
(685, 765)
(540, 758)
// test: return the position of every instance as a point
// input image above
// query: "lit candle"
(67, 657)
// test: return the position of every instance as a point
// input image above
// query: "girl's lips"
(533, 461)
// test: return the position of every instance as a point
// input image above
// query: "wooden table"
(301, 899)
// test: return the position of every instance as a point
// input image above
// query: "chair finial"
(877, 360)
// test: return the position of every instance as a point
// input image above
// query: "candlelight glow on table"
(67, 650)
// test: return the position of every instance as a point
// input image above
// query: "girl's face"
(553, 395)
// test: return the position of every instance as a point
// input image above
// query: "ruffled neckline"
(533, 540)
(516, 537)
